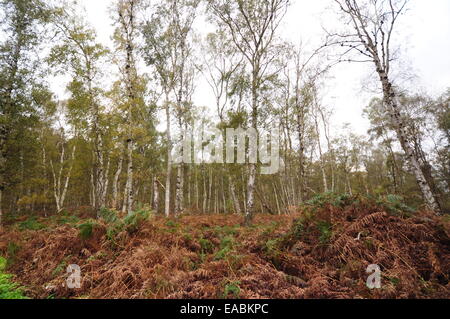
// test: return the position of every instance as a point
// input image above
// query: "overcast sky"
(424, 34)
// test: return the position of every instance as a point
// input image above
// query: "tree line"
(110, 143)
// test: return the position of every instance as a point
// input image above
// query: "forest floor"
(321, 251)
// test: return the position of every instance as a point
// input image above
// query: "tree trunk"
(105, 184)
(252, 167)
(237, 207)
(205, 194)
(210, 195)
(59, 190)
(390, 100)
(250, 195)
(116, 184)
(155, 204)
(169, 160)
(179, 193)
(129, 193)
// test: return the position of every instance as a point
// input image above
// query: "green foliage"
(395, 205)
(63, 220)
(326, 232)
(86, 230)
(272, 249)
(333, 199)
(298, 229)
(8, 289)
(109, 216)
(135, 220)
(132, 223)
(12, 250)
(60, 268)
(207, 247)
(227, 230)
(3, 263)
(233, 289)
(31, 223)
(226, 247)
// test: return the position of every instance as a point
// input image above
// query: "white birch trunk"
(155, 204)
(237, 207)
(116, 184)
(169, 160)
(179, 191)
(129, 193)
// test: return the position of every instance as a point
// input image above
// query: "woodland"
(91, 180)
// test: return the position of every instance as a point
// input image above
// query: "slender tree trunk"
(250, 194)
(224, 200)
(169, 159)
(189, 183)
(69, 174)
(322, 160)
(210, 195)
(252, 167)
(276, 199)
(59, 190)
(349, 185)
(116, 184)
(129, 193)
(390, 100)
(329, 145)
(179, 196)
(155, 205)
(197, 191)
(105, 184)
(237, 207)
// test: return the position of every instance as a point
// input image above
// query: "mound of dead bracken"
(316, 253)
(330, 248)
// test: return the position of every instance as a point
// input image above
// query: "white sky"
(424, 33)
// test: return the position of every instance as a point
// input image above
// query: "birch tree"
(253, 25)
(126, 36)
(62, 171)
(168, 49)
(372, 25)
(84, 58)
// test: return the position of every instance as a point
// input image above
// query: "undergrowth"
(8, 289)
(321, 251)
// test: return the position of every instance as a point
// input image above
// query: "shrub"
(395, 205)
(8, 289)
(135, 220)
(13, 249)
(233, 289)
(65, 219)
(226, 247)
(31, 224)
(132, 223)
(207, 246)
(86, 230)
(330, 198)
(326, 232)
(109, 216)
